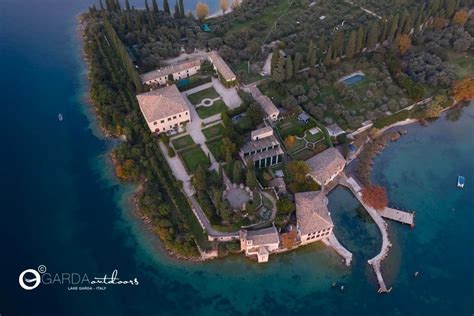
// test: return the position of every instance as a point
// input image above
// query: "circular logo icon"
(29, 279)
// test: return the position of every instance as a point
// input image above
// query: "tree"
(154, 5)
(338, 43)
(434, 108)
(351, 45)
(297, 171)
(463, 90)
(227, 148)
(237, 173)
(392, 30)
(297, 63)
(404, 43)
(284, 206)
(450, 7)
(279, 72)
(375, 197)
(274, 60)
(289, 68)
(200, 180)
(166, 7)
(373, 36)
(255, 113)
(177, 13)
(460, 17)
(224, 5)
(360, 40)
(328, 58)
(250, 178)
(310, 58)
(322, 46)
(181, 8)
(235, 4)
(147, 8)
(127, 5)
(202, 10)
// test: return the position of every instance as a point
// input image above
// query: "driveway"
(230, 96)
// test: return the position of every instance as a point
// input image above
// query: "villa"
(313, 221)
(326, 166)
(164, 109)
(172, 73)
(226, 75)
(268, 107)
(263, 148)
(259, 242)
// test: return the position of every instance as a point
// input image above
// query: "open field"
(213, 131)
(197, 97)
(206, 111)
(182, 142)
(193, 158)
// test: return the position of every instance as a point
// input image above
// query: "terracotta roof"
(267, 105)
(324, 164)
(312, 213)
(263, 237)
(221, 66)
(161, 103)
(165, 71)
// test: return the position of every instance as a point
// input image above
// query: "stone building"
(260, 242)
(326, 165)
(263, 148)
(164, 109)
(226, 75)
(172, 73)
(313, 221)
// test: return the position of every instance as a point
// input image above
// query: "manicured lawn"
(207, 111)
(193, 158)
(215, 149)
(297, 145)
(313, 138)
(291, 126)
(213, 131)
(304, 154)
(182, 142)
(197, 97)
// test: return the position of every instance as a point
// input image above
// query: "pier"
(332, 242)
(398, 216)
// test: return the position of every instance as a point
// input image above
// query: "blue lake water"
(62, 207)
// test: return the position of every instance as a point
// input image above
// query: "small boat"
(334, 284)
(60, 117)
(461, 181)
(342, 287)
(416, 274)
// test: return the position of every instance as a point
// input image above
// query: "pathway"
(382, 225)
(332, 242)
(399, 216)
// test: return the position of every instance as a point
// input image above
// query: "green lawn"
(207, 111)
(313, 138)
(248, 77)
(182, 142)
(304, 154)
(193, 158)
(291, 126)
(297, 145)
(215, 149)
(209, 93)
(463, 65)
(213, 131)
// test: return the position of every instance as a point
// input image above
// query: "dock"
(398, 216)
(332, 242)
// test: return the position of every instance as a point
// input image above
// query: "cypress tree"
(181, 8)
(402, 22)
(328, 59)
(166, 6)
(297, 63)
(177, 14)
(101, 5)
(450, 7)
(237, 173)
(127, 5)
(154, 6)
(373, 35)
(274, 61)
(338, 43)
(289, 68)
(351, 45)
(146, 6)
(250, 179)
(383, 32)
(392, 31)
(360, 40)
(322, 45)
(309, 60)
(279, 72)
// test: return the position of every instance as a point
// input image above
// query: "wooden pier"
(399, 216)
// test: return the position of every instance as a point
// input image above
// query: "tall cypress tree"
(310, 54)
(289, 68)
(177, 14)
(279, 72)
(351, 45)
(360, 40)
(101, 5)
(166, 6)
(147, 8)
(297, 63)
(450, 7)
(373, 35)
(322, 46)
(127, 5)
(328, 58)
(181, 8)
(274, 61)
(392, 30)
(154, 6)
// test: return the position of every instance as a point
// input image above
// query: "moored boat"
(461, 181)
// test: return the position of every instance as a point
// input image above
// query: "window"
(157, 130)
(155, 122)
(187, 113)
(180, 115)
(162, 121)
(174, 117)
(169, 118)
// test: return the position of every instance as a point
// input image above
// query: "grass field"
(313, 138)
(213, 131)
(291, 126)
(248, 77)
(182, 142)
(209, 93)
(193, 158)
(215, 149)
(463, 64)
(207, 111)
(297, 145)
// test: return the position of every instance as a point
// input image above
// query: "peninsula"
(237, 126)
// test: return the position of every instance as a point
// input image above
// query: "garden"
(193, 158)
(182, 142)
(198, 97)
(213, 131)
(205, 111)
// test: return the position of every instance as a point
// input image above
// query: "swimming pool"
(354, 79)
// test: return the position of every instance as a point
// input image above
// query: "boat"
(416, 274)
(461, 181)
(60, 117)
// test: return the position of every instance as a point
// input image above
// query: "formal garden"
(208, 102)
(194, 157)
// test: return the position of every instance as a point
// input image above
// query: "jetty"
(332, 242)
(398, 216)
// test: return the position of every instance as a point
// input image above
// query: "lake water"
(62, 208)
